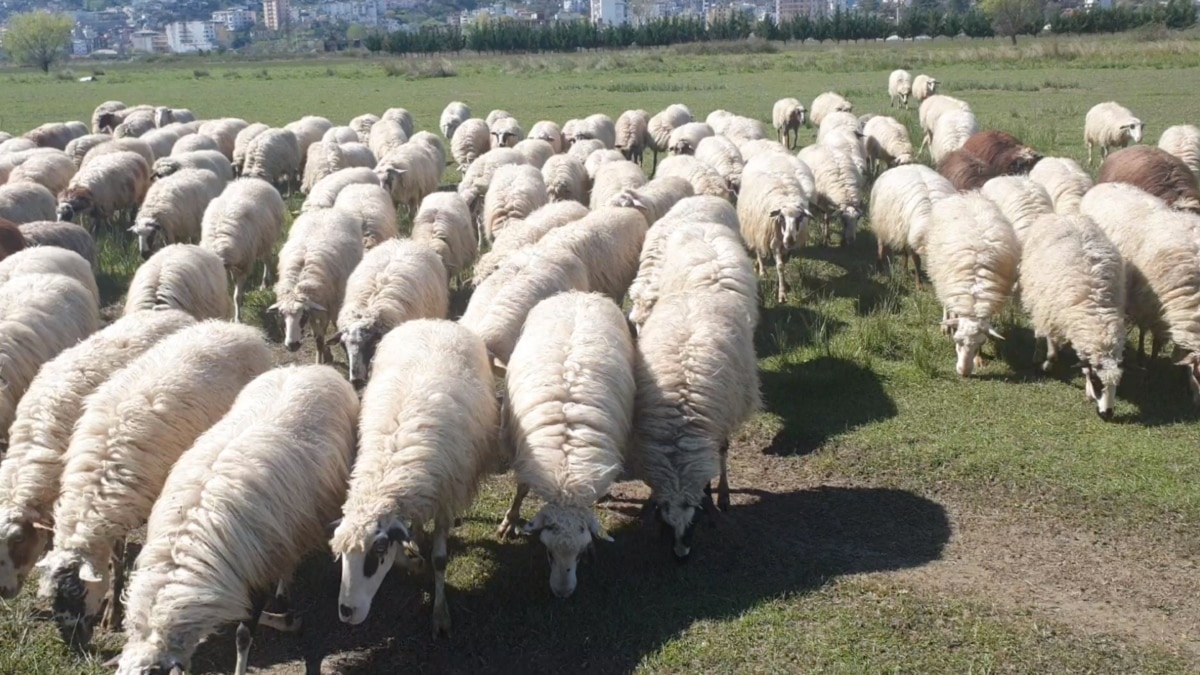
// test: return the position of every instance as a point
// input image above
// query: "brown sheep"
(63, 235)
(52, 135)
(11, 239)
(1004, 153)
(1156, 171)
(965, 171)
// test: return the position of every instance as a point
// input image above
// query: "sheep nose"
(145, 255)
(1106, 415)
(346, 611)
(358, 382)
(293, 346)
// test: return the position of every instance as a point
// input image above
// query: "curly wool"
(181, 276)
(566, 179)
(704, 179)
(175, 205)
(971, 255)
(397, 281)
(372, 208)
(902, 205)
(470, 141)
(242, 225)
(444, 223)
(1022, 201)
(324, 193)
(1064, 180)
(515, 191)
(655, 198)
(521, 233)
(50, 260)
(609, 242)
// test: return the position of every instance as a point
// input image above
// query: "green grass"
(859, 387)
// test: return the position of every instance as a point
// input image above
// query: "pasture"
(887, 516)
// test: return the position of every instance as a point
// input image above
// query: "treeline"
(1176, 14)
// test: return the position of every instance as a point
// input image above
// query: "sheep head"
(359, 339)
(1133, 128)
(150, 655)
(1191, 361)
(567, 533)
(1101, 377)
(76, 583)
(969, 335)
(789, 225)
(850, 215)
(367, 553)
(147, 231)
(23, 537)
(678, 514)
(107, 122)
(295, 314)
(74, 201)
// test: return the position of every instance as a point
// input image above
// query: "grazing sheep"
(135, 125)
(1073, 287)
(826, 103)
(971, 254)
(109, 185)
(548, 131)
(569, 392)
(1156, 171)
(505, 132)
(585, 148)
(900, 86)
(516, 190)
(248, 501)
(931, 111)
(136, 145)
(951, 132)
(209, 160)
(326, 157)
(1110, 125)
(902, 210)
(772, 211)
(612, 178)
(49, 260)
(1183, 141)
(599, 127)
(409, 173)
(600, 157)
(194, 142)
(160, 142)
(181, 276)
(106, 107)
(788, 115)
(704, 179)
(470, 140)
(478, 177)
(52, 135)
(40, 316)
(444, 224)
(433, 145)
(322, 249)
(707, 257)
(78, 148)
(173, 209)
(324, 194)
(837, 188)
(654, 199)
(308, 130)
(608, 241)
(536, 151)
(241, 226)
(225, 130)
(685, 138)
(455, 113)
(14, 145)
(397, 281)
(11, 239)
(752, 149)
(418, 460)
(386, 135)
(1064, 180)
(362, 126)
(721, 154)
(25, 203)
(964, 170)
(886, 142)
(63, 235)
(566, 179)
(499, 305)
(274, 156)
(113, 116)
(164, 116)
(241, 143)
(340, 135)
(1003, 152)
(525, 232)
(631, 134)
(1022, 201)
(51, 169)
(923, 86)
(371, 206)
(743, 130)
(661, 125)
(402, 117)
(697, 382)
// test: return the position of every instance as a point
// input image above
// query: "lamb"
(241, 143)
(31, 472)
(63, 235)
(174, 208)
(654, 199)
(525, 232)
(886, 142)
(386, 135)
(398, 281)
(536, 151)
(971, 254)
(371, 206)
(444, 224)
(632, 134)
(902, 210)
(181, 276)
(697, 382)
(308, 130)
(225, 130)
(194, 142)
(362, 125)
(52, 135)
(322, 249)
(923, 87)
(78, 148)
(570, 378)
(418, 461)
(499, 305)
(455, 113)
(25, 203)
(409, 173)
(1156, 171)
(247, 502)
(548, 131)
(402, 117)
(608, 241)
(105, 187)
(931, 111)
(566, 179)
(685, 138)
(827, 103)
(661, 125)
(326, 157)
(49, 260)
(900, 86)
(324, 193)
(1003, 152)
(505, 132)
(704, 179)
(1073, 288)
(1022, 201)
(470, 140)
(951, 132)
(772, 212)
(612, 178)
(11, 239)
(1183, 141)
(964, 170)
(340, 135)
(1064, 180)
(52, 170)
(274, 156)
(209, 160)
(836, 188)
(40, 316)
(721, 154)
(1110, 125)
(241, 226)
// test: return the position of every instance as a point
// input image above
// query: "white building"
(235, 18)
(364, 12)
(609, 12)
(192, 36)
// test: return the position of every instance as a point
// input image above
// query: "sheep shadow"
(783, 328)
(632, 599)
(1159, 391)
(820, 398)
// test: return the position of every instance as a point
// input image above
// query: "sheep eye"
(19, 538)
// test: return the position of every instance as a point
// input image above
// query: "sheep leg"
(511, 523)
(323, 355)
(266, 274)
(1051, 354)
(1141, 356)
(723, 481)
(879, 257)
(924, 141)
(916, 257)
(758, 259)
(1156, 345)
(246, 630)
(782, 297)
(112, 613)
(239, 296)
(441, 613)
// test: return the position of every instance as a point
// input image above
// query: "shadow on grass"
(783, 328)
(1159, 390)
(632, 599)
(821, 398)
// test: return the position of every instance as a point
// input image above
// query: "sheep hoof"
(1047, 366)
(723, 502)
(509, 529)
(441, 622)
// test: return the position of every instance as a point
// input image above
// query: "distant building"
(609, 12)
(235, 18)
(149, 41)
(195, 36)
(785, 10)
(275, 14)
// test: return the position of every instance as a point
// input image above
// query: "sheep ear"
(332, 527)
(88, 573)
(533, 526)
(597, 531)
(1187, 360)
(40, 525)
(336, 337)
(131, 228)
(397, 533)
(776, 213)
(637, 203)
(112, 663)
(314, 306)
(993, 333)
(273, 308)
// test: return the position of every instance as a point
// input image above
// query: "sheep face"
(679, 516)
(359, 340)
(1133, 129)
(107, 122)
(74, 202)
(850, 216)
(148, 233)
(76, 585)
(1192, 363)
(21, 542)
(969, 335)
(165, 167)
(683, 147)
(1100, 382)
(162, 116)
(141, 658)
(789, 226)
(366, 562)
(295, 316)
(567, 533)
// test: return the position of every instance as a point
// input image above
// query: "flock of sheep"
(173, 417)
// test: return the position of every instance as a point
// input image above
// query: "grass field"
(888, 516)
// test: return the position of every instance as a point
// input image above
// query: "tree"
(1015, 17)
(38, 38)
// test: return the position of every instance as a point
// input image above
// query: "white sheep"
(444, 224)
(1073, 288)
(78, 148)
(536, 151)
(704, 179)
(901, 210)
(479, 174)
(655, 198)
(241, 143)
(50, 260)
(159, 141)
(886, 142)
(1183, 141)
(31, 472)
(181, 276)
(548, 131)
(426, 441)
(275, 156)
(324, 194)
(249, 500)
(371, 206)
(241, 227)
(173, 209)
(609, 242)
(408, 173)
(225, 130)
(951, 132)
(194, 142)
(137, 145)
(697, 382)
(103, 115)
(454, 114)
(826, 103)
(105, 187)
(566, 179)
(341, 135)
(402, 117)
(743, 130)
(1022, 201)
(397, 281)
(26, 203)
(900, 86)
(1064, 180)
(63, 235)
(386, 135)
(923, 86)
(585, 148)
(499, 305)
(569, 393)
(40, 315)
(612, 178)
(660, 126)
(707, 257)
(971, 254)
(55, 134)
(362, 126)
(209, 160)
(434, 145)
(1110, 125)
(322, 249)
(772, 212)
(524, 232)
(599, 127)
(516, 190)
(307, 130)
(601, 157)
(135, 125)
(787, 116)
(932, 108)
(632, 134)
(470, 140)
(505, 132)
(51, 170)
(837, 185)
(724, 156)
(684, 139)
(326, 157)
